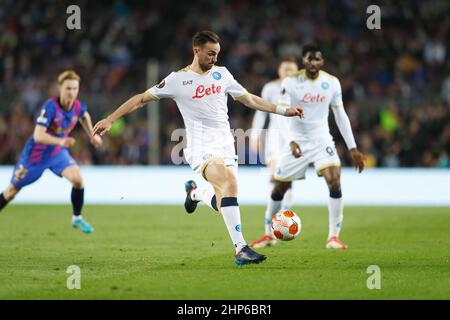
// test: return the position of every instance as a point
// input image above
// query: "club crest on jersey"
(207, 156)
(201, 91)
(216, 75)
(325, 85)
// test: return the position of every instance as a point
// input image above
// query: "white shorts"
(322, 155)
(200, 157)
(274, 145)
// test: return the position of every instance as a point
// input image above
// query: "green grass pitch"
(159, 252)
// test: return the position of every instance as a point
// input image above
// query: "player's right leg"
(194, 195)
(23, 175)
(8, 195)
(223, 179)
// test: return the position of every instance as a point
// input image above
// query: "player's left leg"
(273, 206)
(332, 176)
(73, 174)
(63, 165)
(224, 180)
(286, 203)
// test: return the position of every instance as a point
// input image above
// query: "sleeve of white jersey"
(165, 89)
(336, 101)
(342, 120)
(234, 88)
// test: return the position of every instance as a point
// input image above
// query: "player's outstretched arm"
(258, 103)
(343, 123)
(86, 123)
(41, 136)
(129, 106)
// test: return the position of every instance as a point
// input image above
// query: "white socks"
(232, 217)
(230, 212)
(286, 204)
(272, 207)
(336, 216)
(74, 217)
(206, 195)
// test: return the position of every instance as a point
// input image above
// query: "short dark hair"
(202, 37)
(310, 47)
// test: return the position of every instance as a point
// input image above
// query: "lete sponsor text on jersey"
(312, 98)
(201, 91)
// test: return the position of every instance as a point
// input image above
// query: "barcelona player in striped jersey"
(48, 148)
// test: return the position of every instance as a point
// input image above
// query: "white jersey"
(314, 97)
(202, 101)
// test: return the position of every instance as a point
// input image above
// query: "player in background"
(310, 139)
(200, 92)
(48, 147)
(275, 139)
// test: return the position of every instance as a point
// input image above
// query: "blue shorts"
(26, 173)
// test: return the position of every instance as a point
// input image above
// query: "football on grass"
(286, 225)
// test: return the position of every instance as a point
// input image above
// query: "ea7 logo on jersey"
(201, 91)
(185, 83)
(309, 98)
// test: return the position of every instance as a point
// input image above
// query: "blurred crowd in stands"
(395, 81)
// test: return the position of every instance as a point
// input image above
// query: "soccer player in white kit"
(310, 139)
(275, 137)
(200, 91)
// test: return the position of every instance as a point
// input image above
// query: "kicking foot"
(265, 241)
(189, 204)
(335, 243)
(83, 225)
(247, 255)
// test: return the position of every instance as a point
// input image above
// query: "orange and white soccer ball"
(286, 225)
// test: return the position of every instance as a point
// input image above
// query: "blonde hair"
(68, 75)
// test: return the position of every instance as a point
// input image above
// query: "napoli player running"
(48, 147)
(310, 141)
(200, 91)
(275, 138)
